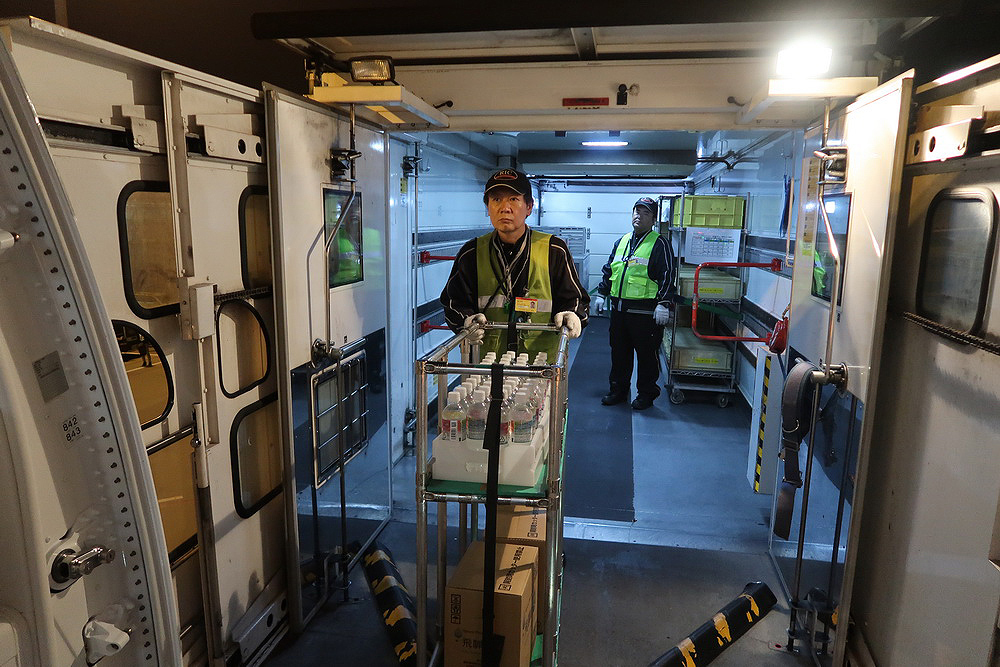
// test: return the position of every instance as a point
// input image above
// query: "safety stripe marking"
(763, 422)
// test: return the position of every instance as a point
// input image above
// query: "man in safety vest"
(638, 289)
(514, 273)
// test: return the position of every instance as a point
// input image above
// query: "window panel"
(146, 236)
(173, 478)
(346, 249)
(255, 235)
(147, 371)
(957, 256)
(838, 210)
(243, 347)
(256, 447)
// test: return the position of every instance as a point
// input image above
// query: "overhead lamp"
(372, 69)
(604, 144)
(804, 59)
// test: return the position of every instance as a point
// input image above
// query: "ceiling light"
(804, 59)
(604, 144)
(372, 69)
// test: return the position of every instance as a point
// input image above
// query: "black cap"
(509, 178)
(648, 202)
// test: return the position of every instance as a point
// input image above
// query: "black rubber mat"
(599, 482)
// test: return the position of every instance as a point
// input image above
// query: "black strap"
(492, 647)
(512, 326)
(796, 409)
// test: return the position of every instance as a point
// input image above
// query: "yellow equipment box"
(712, 284)
(713, 211)
(691, 353)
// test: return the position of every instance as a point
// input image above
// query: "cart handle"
(773, 265)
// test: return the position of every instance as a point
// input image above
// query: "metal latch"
(71, 565)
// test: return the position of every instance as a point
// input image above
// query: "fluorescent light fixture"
(604, 144)
(372, 69)
(804, 59)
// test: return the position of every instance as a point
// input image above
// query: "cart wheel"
(722, 400)
(676, 396)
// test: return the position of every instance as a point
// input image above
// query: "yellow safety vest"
(495, 305)
(633, 269)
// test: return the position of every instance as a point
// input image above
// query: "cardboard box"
(526, 526)
(514, 605)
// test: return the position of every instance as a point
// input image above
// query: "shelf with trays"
(687, 359)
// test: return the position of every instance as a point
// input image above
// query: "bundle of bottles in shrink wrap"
(524, 434)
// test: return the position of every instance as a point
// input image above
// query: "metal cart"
(547, 493)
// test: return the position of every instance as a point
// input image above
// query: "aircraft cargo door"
(329, 209)
(848, 199)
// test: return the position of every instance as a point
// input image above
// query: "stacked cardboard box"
(514, 604)
(526, 526)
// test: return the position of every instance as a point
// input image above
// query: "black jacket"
(460, 295)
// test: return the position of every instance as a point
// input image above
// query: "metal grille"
(341, 395)
(575, 238)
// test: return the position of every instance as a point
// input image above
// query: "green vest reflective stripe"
(629, 275)
(495, 308)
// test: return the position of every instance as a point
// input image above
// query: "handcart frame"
(547, 495)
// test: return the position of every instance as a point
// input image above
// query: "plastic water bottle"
(505, 410)
(522, 419)
(522, 359)
(541, 358)
(453, 419)
(469, 385)
(478, 411)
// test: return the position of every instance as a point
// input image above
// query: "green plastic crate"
(717, 211)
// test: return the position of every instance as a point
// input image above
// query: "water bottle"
(478, 411)
(453, 419)
(469, 385)
(505, 410)
(522, 419)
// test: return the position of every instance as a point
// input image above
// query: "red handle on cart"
(426, 257)
(776, 341)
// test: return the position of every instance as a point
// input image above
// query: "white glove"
(569, 320)
(475, 321)
(598, 304)
(661, 315)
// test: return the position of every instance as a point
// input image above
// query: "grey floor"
(632, 590)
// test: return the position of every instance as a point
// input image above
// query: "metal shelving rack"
(679, 380)
(547, 494)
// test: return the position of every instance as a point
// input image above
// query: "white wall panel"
(608, 215)
(400, 263)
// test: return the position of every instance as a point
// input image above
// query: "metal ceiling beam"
(446, 17)
(586, 46)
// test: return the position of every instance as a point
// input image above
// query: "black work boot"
(614, 397)
(642, 402)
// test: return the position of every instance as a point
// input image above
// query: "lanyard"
(633, 248)
(503, 272)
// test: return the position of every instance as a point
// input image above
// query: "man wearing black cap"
(638, 288)
(514, 273)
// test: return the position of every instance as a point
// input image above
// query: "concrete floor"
(632, 590)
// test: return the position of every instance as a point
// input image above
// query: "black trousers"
(635, 334)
